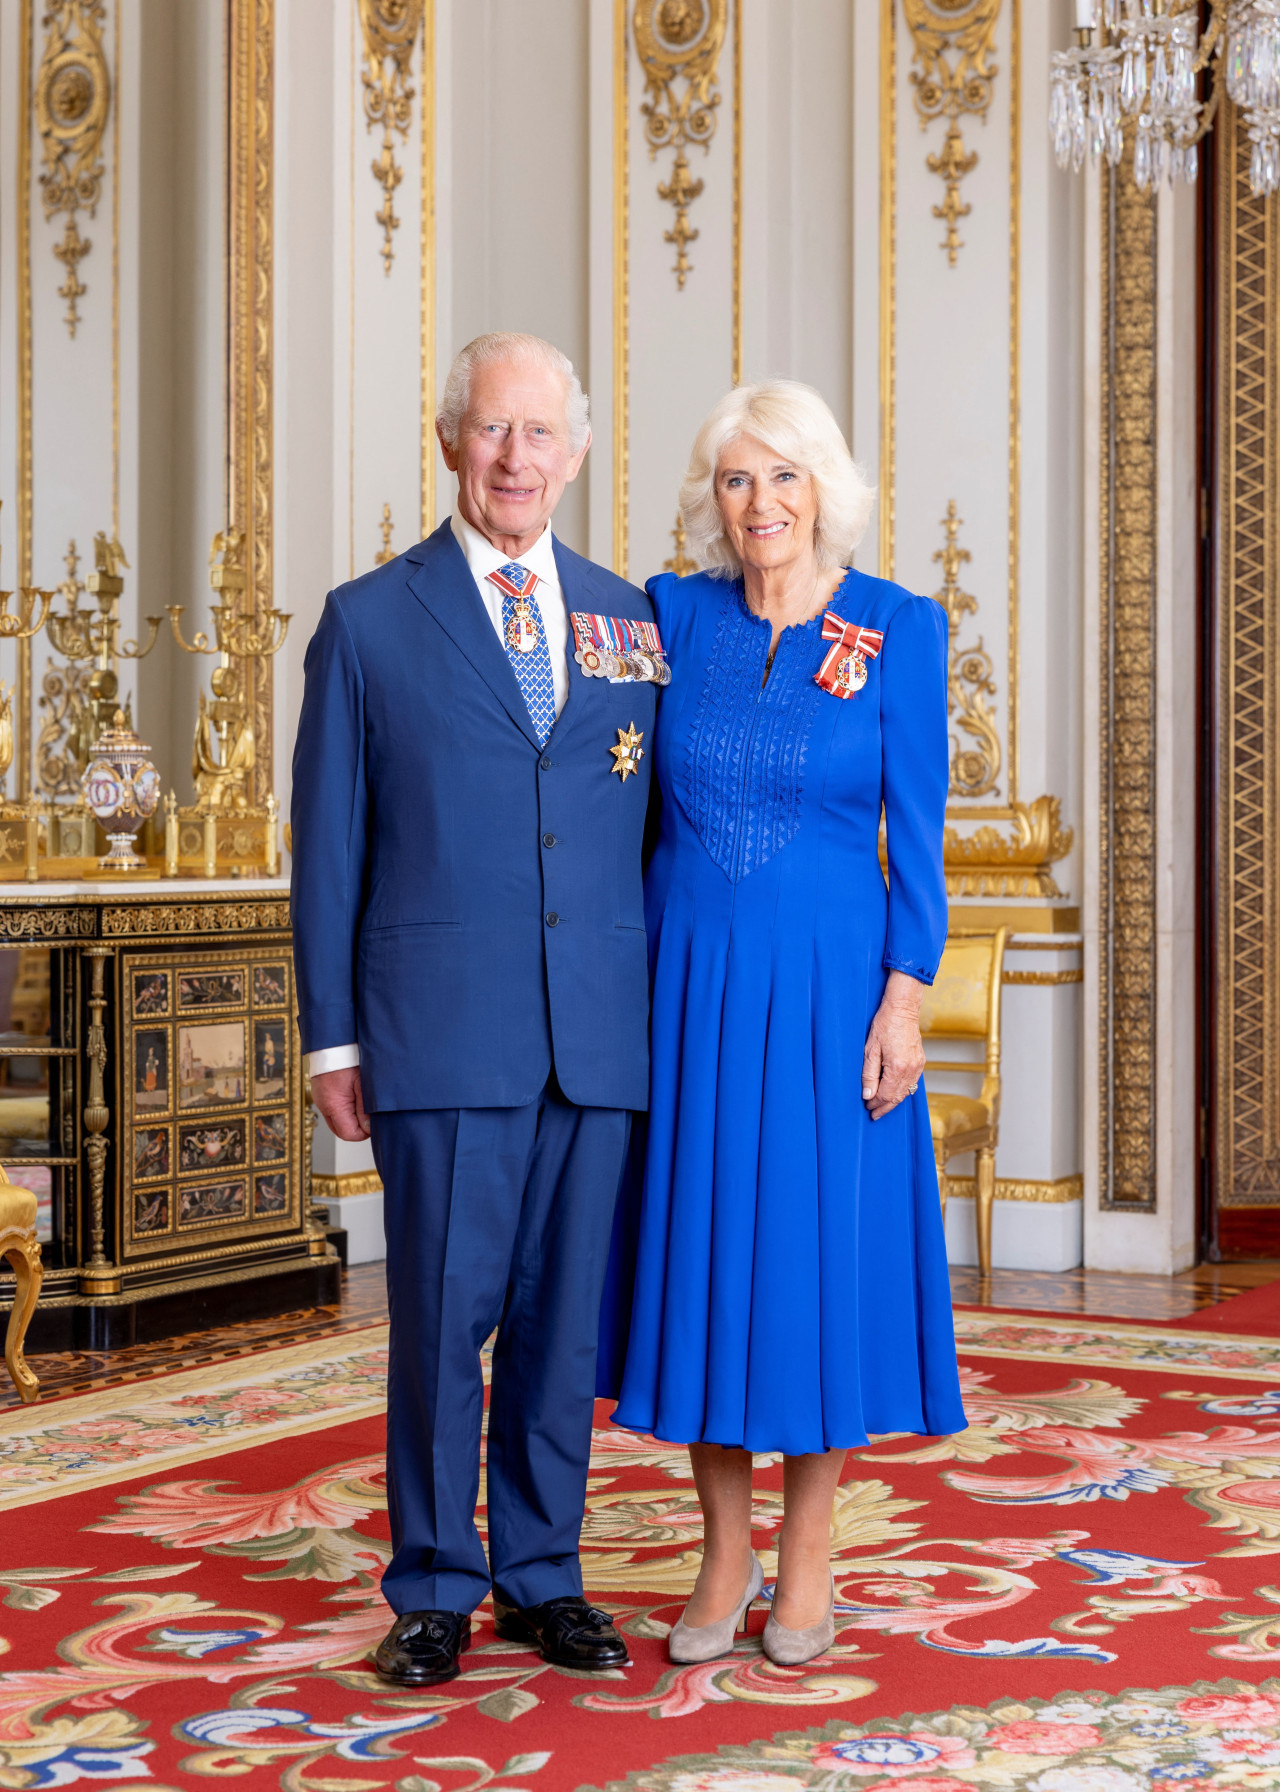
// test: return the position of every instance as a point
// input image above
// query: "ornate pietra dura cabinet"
(151, 1093)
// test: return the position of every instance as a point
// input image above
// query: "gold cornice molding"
(250, 261)
(339, 1188)
(952, 41)
(390, 31)
(680, 41)
(1055, 1193)
(1126, 687)
(72, 103)
(1045, 978)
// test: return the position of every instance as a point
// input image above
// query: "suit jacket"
(467, 905)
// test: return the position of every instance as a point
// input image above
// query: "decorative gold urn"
(122, 788)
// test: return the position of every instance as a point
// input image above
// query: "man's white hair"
(510, 345)
(796, 423)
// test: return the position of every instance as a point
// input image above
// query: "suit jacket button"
(546, 764)
(548, 839)
(553, 919)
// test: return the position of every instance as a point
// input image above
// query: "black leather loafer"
(422, 1648)
(566, 1632)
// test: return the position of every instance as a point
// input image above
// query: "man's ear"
(450, 454)
(575, 465)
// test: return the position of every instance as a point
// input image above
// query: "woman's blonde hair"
(796, 422)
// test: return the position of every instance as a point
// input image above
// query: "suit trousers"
(495, 1217)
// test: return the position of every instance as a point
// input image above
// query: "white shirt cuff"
(333, 1057)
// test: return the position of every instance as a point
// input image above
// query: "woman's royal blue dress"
(790, 1283)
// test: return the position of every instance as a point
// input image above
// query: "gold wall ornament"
(990, 863)
(952, 42)
(63, 692)
(974, 768)
(390, 29)
(680, 41)
(386, 552)
(1126, 683)
(251, 198)
(72, 100)
(680, 563)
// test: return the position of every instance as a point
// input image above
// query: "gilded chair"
(964, 1004)
(19, 1243)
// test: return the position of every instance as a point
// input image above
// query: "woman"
(791, 1288)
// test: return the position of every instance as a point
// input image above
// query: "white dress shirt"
(482, 559)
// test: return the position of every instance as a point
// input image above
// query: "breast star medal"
(628, 753)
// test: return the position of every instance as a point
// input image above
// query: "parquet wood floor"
(363, 1302)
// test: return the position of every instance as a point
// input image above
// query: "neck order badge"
(523, 629)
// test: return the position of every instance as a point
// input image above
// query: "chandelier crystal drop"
(1136, 61)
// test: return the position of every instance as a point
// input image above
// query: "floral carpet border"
(114, 1434)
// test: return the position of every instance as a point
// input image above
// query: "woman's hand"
(894, 1056)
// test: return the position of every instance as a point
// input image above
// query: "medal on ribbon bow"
(844, 671)
(613, 647)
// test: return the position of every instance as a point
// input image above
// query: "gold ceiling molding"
(680, 41)
(73, 99)
(970, 681)
(952, 41)
(1247, 1021)
(1126, 688)
(390, 29)
(990, 863)
(250, 262)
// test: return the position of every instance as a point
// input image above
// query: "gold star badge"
(628, 753)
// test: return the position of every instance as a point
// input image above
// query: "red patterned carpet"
(1073, 1596)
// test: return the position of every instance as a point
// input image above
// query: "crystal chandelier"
(1138, 60)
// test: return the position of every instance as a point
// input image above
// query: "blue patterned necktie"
(525, 640)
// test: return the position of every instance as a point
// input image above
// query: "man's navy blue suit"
(467, 907)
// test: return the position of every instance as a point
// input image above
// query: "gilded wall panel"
(1127, 763)
(1248, 915)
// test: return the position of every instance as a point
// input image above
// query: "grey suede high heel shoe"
(788, 1648)
(703, 1642)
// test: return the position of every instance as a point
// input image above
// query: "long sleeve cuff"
(333, 1057)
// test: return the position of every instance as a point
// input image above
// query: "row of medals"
(602, 662)
(596, 662)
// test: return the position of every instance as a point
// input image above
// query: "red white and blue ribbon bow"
(844, 671)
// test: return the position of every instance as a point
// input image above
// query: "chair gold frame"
(20, 1245)
(964, 1004)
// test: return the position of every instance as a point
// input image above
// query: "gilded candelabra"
(223, 829)
(81, 635)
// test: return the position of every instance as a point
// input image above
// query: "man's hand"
(894, 1057)
(337, 1095)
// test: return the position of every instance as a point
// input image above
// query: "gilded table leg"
(24, 1257)
(985, 1194)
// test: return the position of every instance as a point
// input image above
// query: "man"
(473, 993)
